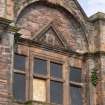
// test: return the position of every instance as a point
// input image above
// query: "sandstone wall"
(6, 55)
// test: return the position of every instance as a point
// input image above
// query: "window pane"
(75, 74)
(56, 70)
(40, 66)
(19, 87)
(19, 62)
(56, 92)
(39, 90)
(75, 93)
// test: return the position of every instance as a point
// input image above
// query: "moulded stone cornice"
(32, 43)
(94, 54)
(5, 25)
(5, 21)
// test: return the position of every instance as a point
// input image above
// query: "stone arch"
(58, 7)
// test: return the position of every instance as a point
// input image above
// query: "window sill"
(31, 103)
(38, 103)
(18, 102)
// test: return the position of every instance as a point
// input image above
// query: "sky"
(92, 6)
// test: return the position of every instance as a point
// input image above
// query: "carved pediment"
(49, 35)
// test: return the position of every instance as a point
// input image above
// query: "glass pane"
(19, 87)
(56, 70)
(75, 74)
(39, 90)
(40, 66)
(19, 62)
(56, 92)
(75, 93)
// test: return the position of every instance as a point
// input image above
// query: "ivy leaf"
(94, 77)
(16, 38)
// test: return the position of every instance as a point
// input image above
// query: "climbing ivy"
(29, 0)
(28, 103)
(16, 38)
(94, 77)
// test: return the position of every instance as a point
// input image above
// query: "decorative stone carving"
(35, 17)
(50, 36)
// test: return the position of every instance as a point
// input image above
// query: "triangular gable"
(51, 36)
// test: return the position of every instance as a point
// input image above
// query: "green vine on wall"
(28, 103)
(94, 77)
(16, 39)
(29, 0)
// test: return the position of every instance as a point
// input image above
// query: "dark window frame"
(51, 70)
(42, 60)
(75, 83)
(23, 99)
(21, 72)
(79, 80)
(48, 78)
(30, 75)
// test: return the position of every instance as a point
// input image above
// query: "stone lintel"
(70, 52)
(33, 43)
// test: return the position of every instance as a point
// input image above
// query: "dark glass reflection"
(75, 93)
(56, 70)
(56, 92)
(19, 87)
(19, 62)
(75, 74)
(40, 66)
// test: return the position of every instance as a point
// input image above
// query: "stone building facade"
(51, 53)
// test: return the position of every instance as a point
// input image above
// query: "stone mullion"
(92, 91)
(102, 78)
(10, 72)
(98, 84)
(84, 81)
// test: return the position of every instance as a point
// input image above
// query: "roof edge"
(81, 9)
(97, 16)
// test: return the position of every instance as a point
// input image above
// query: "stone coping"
(97, 16)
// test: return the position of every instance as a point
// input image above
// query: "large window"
(47, 74)
(19, 83)
(46, 80)
(75, 86)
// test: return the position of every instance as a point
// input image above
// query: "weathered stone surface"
(6, 51)
(82, 34)
(10, 9)
(2, 8)
(39, 15)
